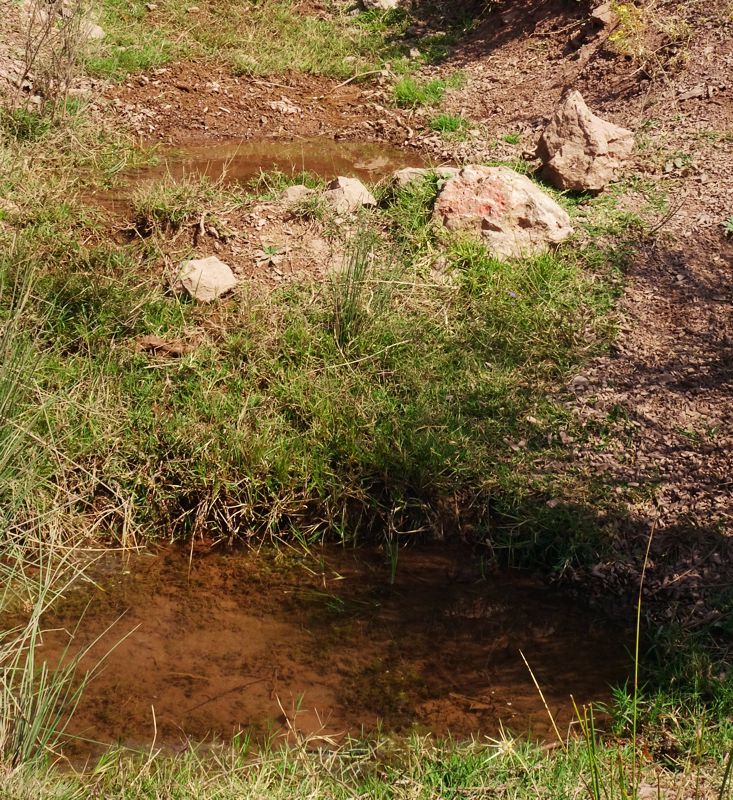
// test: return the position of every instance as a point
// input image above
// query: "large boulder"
(346, 195)
(581, 151)
(205, 279)
(512, 216)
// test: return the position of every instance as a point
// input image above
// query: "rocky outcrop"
(512, 216)
(580, 151)
(205, 279)
(346, 195)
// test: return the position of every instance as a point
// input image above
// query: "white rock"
(404, 177)
(91, 31)
(380, 5)
(346, 195)
(512, 216)
(293, 194)
(580, 151)
(205, 279)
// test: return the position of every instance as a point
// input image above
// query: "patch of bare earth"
(670, 373)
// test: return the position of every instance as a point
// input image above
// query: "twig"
(348, 81)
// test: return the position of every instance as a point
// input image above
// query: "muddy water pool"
(325, 644)
(241, 160)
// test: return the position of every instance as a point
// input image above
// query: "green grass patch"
(254, 39)
(410, 92)
(449, 123)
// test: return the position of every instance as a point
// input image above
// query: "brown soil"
(325, 645)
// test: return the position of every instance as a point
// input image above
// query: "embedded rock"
(205, 279)
(404, 177)
(294, 194)
(346, 195)
(512, 216)
(581, 151)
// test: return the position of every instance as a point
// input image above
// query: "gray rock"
(205, 279)
(580, 151)
(380, 5)
(512, 216)
(293, 194)
(91, 31)
(404, 177)
(346, 195)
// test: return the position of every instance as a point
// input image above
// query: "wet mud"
(323, 645)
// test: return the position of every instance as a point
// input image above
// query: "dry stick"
(544, 702)
(224, 693)
(348, 81)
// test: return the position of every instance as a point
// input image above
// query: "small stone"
(603, 15)
(193, 10)
(151, 6)
(346, 195)
(294, 194)
(380, 5)
(205, 279)
(404, 177)
(91, 31)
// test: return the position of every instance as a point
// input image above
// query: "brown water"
(325, 645)
(240, 160)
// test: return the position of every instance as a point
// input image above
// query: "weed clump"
(409, 92)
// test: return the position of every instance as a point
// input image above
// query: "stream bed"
(322, 644)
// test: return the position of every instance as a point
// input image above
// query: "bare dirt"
(324, 644)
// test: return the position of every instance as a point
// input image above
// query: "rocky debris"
(205, 279)
(294, 194)
(514, 217)
(580, 151)
(346, 195)
(402, 178)
(380, 5)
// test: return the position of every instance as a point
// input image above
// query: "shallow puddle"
(241, 160)
(325, 644)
